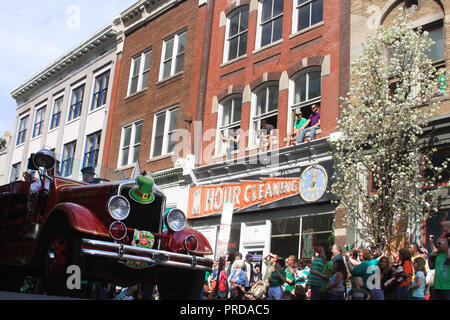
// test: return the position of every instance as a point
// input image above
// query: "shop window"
(236, 34)
(285, 237)
(320, 227)
(235, 238)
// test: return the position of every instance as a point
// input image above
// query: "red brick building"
(268, 60)
(152, 88)
(217, 66)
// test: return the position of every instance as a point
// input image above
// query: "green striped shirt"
(317, 265)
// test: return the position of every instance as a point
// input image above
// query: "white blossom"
(379, 165)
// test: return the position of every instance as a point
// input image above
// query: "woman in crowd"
(335, 286)
(403, 274)
(221, 292)
(237, 280)
(386, 274)
(417, 288)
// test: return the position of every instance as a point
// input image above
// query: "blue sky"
(36, 33)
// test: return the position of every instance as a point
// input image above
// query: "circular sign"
(313, 183)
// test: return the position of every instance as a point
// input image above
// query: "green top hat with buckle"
(143, 193)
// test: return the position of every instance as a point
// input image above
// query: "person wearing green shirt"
(327, 270)
(269, 260)
(314, 279)
(299, 125)
(291, 268)
(276, 280)
(442, 270)
(366, 270)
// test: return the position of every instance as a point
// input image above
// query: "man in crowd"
(249, 271)
(442, 270)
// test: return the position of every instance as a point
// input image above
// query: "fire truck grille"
(144, 217)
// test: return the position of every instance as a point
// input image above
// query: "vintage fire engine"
(114, 232)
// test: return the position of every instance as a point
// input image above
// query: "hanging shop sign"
(307, 186)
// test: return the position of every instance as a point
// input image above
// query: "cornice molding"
(140, 13)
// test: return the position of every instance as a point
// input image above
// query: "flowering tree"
(380, 167)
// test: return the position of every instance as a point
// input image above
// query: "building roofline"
(141, 12)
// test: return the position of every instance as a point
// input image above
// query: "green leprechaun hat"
(143, 193)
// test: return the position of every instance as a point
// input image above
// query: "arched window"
(264, 108)
(228, 123)
(305, 90)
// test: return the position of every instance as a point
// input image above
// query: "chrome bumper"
(121, 252)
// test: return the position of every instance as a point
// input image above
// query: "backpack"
(257, 291)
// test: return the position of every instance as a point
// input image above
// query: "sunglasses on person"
(439, 243)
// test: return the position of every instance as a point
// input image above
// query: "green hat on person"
(143, 193)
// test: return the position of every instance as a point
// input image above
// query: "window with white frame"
(22, 132)
(305, 90)
(101, 85)
(38, 122)
(130, 144)
(307, 13)
(91, 150)
(14, 172)
(172, 58)
(68, 159)
(76, 102)
(229, 122)
(236, 34)
(270, 21)
(140, 67)
(56, 113)
(165, 124)
(264, 107)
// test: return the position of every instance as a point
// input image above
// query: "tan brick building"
(430, 15)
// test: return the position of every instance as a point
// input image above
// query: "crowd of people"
(412, 273)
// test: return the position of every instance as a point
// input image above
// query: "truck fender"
(82, 219)
(177, 240)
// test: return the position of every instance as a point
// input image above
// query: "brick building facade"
(268, 60)
(155, 78)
